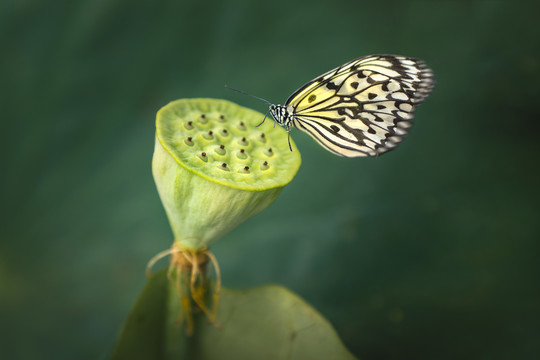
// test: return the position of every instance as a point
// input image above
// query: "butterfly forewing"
(364, 107)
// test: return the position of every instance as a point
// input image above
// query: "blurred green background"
(430, 251)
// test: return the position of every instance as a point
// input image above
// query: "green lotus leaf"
(269, 322)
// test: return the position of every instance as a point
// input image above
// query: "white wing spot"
(379, 77)
(392, 86)
(399, 96)
(405, 107)
(404, 115)
(404, 124)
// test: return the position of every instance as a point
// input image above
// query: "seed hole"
(209, 135)
(241, 154)
(269, 152)
(220, 150)
(203, 156)
(224, 167)
(244, 170)
(243, 142)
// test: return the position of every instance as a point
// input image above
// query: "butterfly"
(364, 107)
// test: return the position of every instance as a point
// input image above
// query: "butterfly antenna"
(245, 93)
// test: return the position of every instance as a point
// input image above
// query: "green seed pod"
(214, 168)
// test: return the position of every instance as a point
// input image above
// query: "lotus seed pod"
(214, 167)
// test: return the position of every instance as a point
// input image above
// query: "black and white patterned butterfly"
(362, 108)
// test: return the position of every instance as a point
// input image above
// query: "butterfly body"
(362, 108)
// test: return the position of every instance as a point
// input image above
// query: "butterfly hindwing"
(364, 107)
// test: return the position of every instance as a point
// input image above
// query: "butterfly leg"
(265, 115)
(289, 138)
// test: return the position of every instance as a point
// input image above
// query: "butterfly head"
(281, 115)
